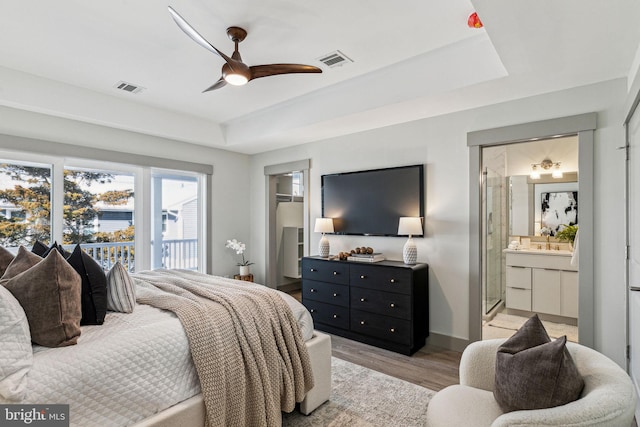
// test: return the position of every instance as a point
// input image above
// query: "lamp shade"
(410, 226)
(323, 225)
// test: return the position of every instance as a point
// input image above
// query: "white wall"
(440, 144)
(230, 170)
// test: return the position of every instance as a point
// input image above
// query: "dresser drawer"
(330, 293)
(382, 327)
(325, 271)
(328, 314)
(385, 303)
(389, 279)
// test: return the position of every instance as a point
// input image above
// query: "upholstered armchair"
(608, 398)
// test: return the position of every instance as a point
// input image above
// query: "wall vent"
(335, 59)
(128, 87)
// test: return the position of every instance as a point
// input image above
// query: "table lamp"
(411, 226)
(324, 225)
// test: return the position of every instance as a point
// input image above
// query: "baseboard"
(445, 341)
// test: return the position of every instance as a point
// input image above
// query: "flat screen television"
(371, 202)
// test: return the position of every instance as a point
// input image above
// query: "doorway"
(287, 238)
(530, 211)
(583, 127)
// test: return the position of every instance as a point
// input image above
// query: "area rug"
(361, 397)
(555, 330)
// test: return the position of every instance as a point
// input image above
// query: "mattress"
(131, 367)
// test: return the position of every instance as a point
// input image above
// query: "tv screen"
(371, 202)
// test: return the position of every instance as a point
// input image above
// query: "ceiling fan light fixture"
(236, 79)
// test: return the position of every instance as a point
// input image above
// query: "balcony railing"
(179, 253)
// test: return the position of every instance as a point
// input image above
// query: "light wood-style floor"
(430, 367)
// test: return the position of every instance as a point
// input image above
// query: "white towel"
(574, 257)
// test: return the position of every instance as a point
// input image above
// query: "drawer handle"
(335, 295)
(335, 273)
(392, 305)
(362, 300)
(392, 329)
(516, 266)
(362, 322)
(312, 290)
(312, 310)
(392, 280)
(313, 269)
(335, 316)
(363, 276)
(520, 289)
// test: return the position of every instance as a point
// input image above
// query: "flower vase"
(244, 270)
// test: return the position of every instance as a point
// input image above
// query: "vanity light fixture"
(546, 164)
(534, 172)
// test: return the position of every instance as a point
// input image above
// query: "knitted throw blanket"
(245, 343)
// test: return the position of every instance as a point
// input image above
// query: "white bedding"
(132, 366)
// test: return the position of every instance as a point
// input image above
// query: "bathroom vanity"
(542, 281)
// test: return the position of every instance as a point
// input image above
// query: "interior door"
(633, 258)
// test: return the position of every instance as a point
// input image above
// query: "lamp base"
(324, 247)
(410, 252)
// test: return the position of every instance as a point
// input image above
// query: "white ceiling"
(412, 59)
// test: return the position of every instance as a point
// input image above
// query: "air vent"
(128, 87)
(335, 59)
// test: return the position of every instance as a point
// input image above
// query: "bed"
(138, 368)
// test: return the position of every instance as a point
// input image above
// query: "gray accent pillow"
(23, 261)
(533, 372)
(49, 293)
(5, 259)
(121, 292)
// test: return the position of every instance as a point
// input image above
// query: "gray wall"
(440, 144)
(229, 192)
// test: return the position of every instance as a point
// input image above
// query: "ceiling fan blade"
(196, 37)
(258, 71)
(217, 85)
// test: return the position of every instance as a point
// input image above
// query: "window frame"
(142, 189)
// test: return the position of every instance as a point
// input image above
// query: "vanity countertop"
(561, 252)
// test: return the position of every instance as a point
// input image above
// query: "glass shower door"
(493, 218)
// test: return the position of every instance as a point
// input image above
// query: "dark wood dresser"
(385, 304)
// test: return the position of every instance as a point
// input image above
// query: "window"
(92, 203)
(25, 201)
(98, 213)
(176, 213)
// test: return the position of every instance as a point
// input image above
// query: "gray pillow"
(121, 292)
(5, 259)
(49, 293)
(23, 261)
(533, 372)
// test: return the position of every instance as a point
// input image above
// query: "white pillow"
(16, 353)
(121, 295)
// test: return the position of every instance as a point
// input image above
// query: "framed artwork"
(558, 208)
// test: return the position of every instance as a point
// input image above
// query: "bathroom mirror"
(525, 202)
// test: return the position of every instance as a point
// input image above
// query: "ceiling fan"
(234, 71)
